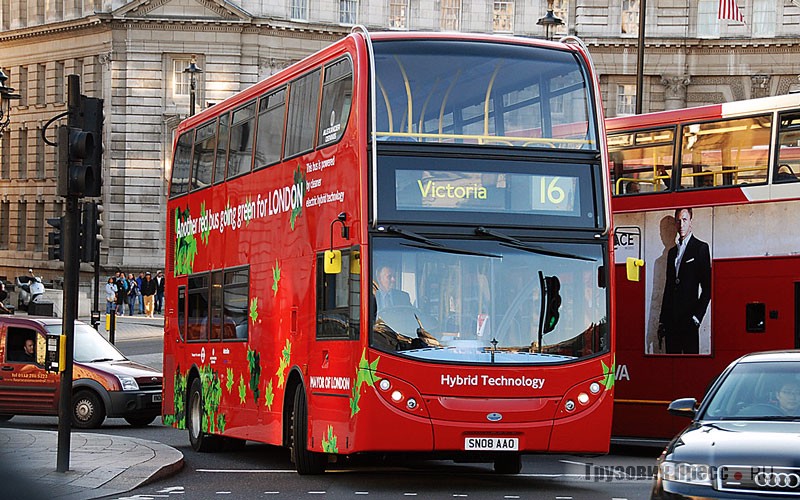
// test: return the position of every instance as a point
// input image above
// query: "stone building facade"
(132, 54)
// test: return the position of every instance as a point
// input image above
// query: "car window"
(763, 390)
(89, 345)
(22, 345)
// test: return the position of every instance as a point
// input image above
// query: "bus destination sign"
(496, 192)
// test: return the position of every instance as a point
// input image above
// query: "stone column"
(675, 91)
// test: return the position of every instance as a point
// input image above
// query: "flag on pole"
(729, 10)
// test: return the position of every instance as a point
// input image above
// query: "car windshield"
(758, 391)
(90, 346)
(480, 300)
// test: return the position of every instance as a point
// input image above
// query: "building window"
(40, 159)
(398, 14)
(450, 15)
(348, 11)
(5, 162)
(41, 84)
(23, 153)
(22, 89)
(764, 18)
(38, 236)
(626, 100)
(59, 83)
(181, 81)
(6, 17)
(630, 17)
(707, 22)
(299, 10)
(561, 11)
(503, 19)
(5, 207)
(22, 226)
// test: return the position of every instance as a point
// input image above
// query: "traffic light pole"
(71, 270)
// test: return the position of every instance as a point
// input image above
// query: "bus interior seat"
(785, 173)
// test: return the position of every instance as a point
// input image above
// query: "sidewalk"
(99, 464)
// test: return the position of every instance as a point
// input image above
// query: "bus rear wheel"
(200, 441)
(508, 464)
(305, 461)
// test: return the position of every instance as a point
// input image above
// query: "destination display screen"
(479, 191)
(512, 192)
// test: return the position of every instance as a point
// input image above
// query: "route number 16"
(550, 192)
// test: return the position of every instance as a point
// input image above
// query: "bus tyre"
(305, 461)
(88, 411)
(199, 440)
(508, 464)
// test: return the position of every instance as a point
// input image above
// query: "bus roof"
(699, 113)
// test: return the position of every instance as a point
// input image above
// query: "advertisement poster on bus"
(676, 248)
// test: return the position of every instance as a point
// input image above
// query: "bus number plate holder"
(491, 444)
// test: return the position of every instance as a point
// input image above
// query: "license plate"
(491, 443)
(156, 398)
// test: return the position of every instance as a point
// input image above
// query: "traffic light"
(552, 289)
(79, 144)
(90, 230)
(54, 251)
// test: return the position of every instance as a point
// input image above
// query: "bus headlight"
(400, 395)
(384, 384)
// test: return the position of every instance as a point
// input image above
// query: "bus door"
(333, 363)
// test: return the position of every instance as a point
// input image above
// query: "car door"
(25, 386)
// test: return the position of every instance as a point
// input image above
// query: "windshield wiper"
(515, 243)
(99, 360)
(429, 244)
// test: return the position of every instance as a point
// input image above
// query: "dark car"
(104, 382)
(744, 439)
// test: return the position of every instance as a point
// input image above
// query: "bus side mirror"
(632, 266)
(333, 261)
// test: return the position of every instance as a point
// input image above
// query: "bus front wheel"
(508, 464)
(305, 461)
(200, 441)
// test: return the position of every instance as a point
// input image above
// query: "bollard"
(111, 325)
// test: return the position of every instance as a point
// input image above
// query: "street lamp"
(549, 20)
(193, 69)
(6, 96)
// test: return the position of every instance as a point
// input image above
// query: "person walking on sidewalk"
(148, 293)
(139, 282)
(160, 281)
(111, 296)
(133, 293)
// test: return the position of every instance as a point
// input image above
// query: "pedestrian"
(148, 292)
(133, 293)
(122, 292)
(139, 281)
(111, 296)
(160, 281)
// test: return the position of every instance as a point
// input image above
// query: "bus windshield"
(480, 301)
(447, 91)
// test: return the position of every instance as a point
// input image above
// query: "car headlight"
(682, 472)
(128, 383)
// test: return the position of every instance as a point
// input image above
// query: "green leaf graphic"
(242, 390)
(276, 277)
(254, 310)
(269, 396)
(229, 380)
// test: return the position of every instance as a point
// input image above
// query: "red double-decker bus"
(726, 175)
(399, 244)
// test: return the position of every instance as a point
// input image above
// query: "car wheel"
(88, 411)
(200, 441)
(508, 464)
(5, 418)
(140, 421)
(305, 461)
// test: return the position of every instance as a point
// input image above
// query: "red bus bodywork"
(755, 270)
(258, 220)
